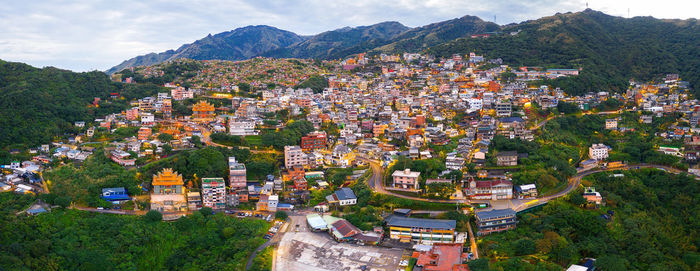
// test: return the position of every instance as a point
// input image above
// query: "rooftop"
(409, 222)
(495, 213)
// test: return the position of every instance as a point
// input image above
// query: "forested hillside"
(76, 240)
(38, 105)
(609, 50)
(654, 226)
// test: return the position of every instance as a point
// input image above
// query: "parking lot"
(309, 251)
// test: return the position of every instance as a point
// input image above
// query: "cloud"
(97, 34)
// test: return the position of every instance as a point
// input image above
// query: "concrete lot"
(309, 251)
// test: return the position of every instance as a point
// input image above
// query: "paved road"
(376, 183)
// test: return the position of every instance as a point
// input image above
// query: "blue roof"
(495, 213)
(512, 119)
(409, 222)
(345, 193)
(284, 205)
(36, 211)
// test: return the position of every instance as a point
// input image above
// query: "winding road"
(377, 185)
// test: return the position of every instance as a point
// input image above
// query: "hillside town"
(411, 126)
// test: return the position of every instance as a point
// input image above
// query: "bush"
(153, 216)
(206, 211)
(281, 215)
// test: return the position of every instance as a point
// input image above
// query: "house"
(421, 230)
(442, 257)
(342, 230)
(495, 220)
(646, 119)
(405, 179)
(587, 164)
(526, 191)
(592, 197)
(342, 197)
(507, 158)
(241, 127)
(611, 124)
(115, 195)
(598, 151)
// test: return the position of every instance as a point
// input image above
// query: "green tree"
(281, 215)
(153, 216)
(163, 137)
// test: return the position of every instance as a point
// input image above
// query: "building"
(504, 109)
(453, 162)
(168, 192)
(236, 174)
(490, 190)
(507, 158)
(343, 231)
(526, 191)
(194, 201)
(122, 158)
(115, 195)
(294, 156)
(342, 197)
(442, 257)
(495, 220)
(214, 193)
(297, 174)
(203, 111)
(592, 197)
(313, 141)
(241, 127)
(421, 230)
(148, 119)
(611, 124)
(598, 151)
(405, 179)
(144, 133)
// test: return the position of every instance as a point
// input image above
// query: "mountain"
(610, 50)
(40, 104)
(238, 44)
(437, 33)
(342, 42)
(251, 41)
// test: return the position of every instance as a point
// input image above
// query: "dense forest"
(39, 105)
(76, 240)
(654, 226)
(609, 50)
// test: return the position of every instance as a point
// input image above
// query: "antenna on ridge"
(586, 5)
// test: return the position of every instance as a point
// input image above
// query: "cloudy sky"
(87, 35)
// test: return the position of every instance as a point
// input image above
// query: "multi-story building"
(144, 133)
(147, 119)
(453, 162)
(294, 156)
(168, 192)
(490, 190)
(297, 174)
(495, 220)
(132, 113)
(504, 109)
(526, 190)
(180, 93)
(507, 158)
(313, 141)
(405, 179)
(598, 151)
(214, 193)
(420, 230)
(237, 174)
(611, 124)
(194, 201)
(241, 127)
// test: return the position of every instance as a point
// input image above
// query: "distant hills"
(251, 41)
(610, 50)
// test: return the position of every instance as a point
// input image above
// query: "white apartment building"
(293, 156)
(598, 151)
